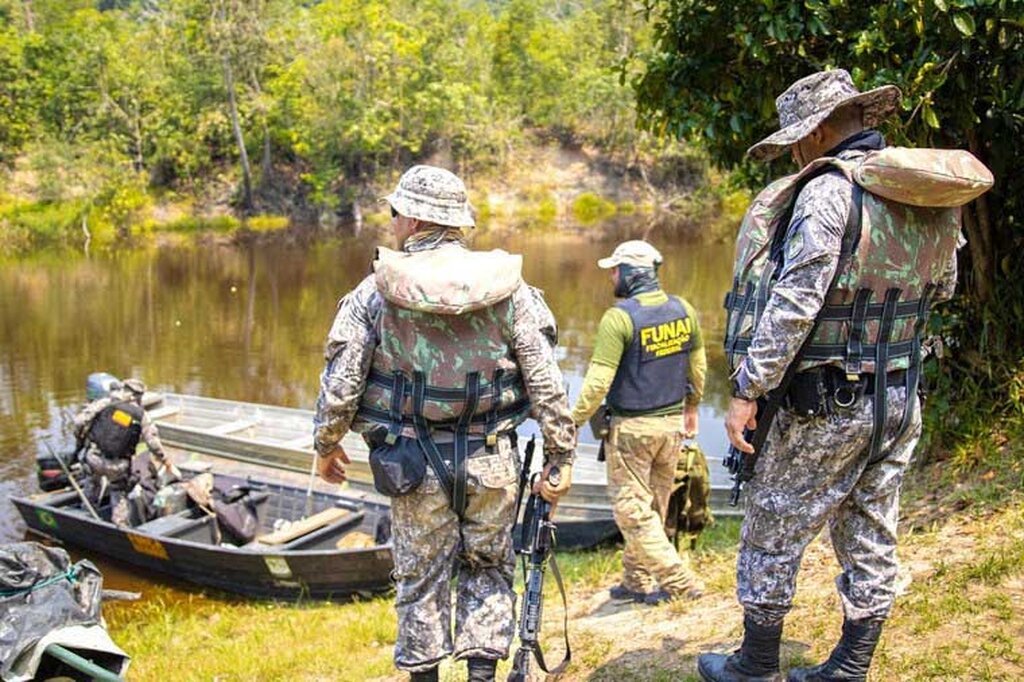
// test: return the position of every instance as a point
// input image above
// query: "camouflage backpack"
(689, 506)
(902, 234)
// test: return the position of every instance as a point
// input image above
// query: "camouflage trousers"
(641, 454)
(432, 547)
(114, 487)
(815, 471)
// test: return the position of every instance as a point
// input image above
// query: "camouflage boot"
(850, 659)
(424, 675)
(481, 669)
(757, 659)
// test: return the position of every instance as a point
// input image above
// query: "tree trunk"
(979, 236)
(267, 168)
(30, 20)
(140, 163)
(229, 83)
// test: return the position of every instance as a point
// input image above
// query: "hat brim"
(449, 216)
(877, 105)
(608, 263)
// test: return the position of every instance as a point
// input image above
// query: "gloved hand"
(331, 466)
(550, 487)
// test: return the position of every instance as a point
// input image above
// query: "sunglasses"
(394, 213)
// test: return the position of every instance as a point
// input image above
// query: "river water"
(248, 323)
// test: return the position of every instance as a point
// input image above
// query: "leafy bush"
(588, 208)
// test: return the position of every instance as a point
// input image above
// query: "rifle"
(538, 539)
(740, 464)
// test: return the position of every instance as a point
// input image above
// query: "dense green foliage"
(716, 68)
(334, 90)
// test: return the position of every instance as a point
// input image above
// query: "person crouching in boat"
(436, 358)
(108, 431)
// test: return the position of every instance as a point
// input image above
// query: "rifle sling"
(538, 652)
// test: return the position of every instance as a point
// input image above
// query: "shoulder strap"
(773, 400)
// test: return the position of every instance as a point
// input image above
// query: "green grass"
(206, 638)
(192, 224)
(589, 208)
(266, 223)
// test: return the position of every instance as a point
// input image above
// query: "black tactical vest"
(116, 429)
(654, 369)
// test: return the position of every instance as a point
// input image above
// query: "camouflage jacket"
(812, 248)
(83, 421)
(353, 339)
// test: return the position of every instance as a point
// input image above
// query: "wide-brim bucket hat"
(806, 104)
(434, 195)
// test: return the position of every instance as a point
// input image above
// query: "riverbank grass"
(960, 614)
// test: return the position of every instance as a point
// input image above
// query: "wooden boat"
(282, 437)
(339, 548)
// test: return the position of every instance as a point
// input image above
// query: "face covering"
(425, 240)
(635, 280)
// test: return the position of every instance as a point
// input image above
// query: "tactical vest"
(906, 226)
(901, 235)
(116, 429)
(444, 359)
(655, 366)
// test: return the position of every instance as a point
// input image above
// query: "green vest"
(444, 342)
(905, 228)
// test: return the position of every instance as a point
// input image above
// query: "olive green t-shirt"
(614, 334)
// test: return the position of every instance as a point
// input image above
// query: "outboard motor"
(98, 385)
(49, 473)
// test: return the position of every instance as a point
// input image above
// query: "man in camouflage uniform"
(437, 309)
(649, 360)
(110, 471)
(822, 465)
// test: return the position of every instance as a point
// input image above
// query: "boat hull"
(265, 574)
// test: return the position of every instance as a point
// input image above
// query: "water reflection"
(248, 323)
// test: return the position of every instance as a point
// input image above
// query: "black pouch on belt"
(399, 468)
(808, 394)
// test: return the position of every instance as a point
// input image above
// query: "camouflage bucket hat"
(807, 103)
(432, 194)
(135, 386)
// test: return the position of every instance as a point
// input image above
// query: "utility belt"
(820, 391)
(399, 462)
(445, 442)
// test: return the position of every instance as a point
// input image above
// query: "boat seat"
(306, 526)
(349, 521)
(158, 413)
(174, 524)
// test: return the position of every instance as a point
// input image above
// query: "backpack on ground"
(689, 506)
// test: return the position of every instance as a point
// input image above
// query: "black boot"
(481, 669)
(424, 676)
(850, 659)
(757, 659)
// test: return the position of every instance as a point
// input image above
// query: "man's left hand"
(742, 415)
